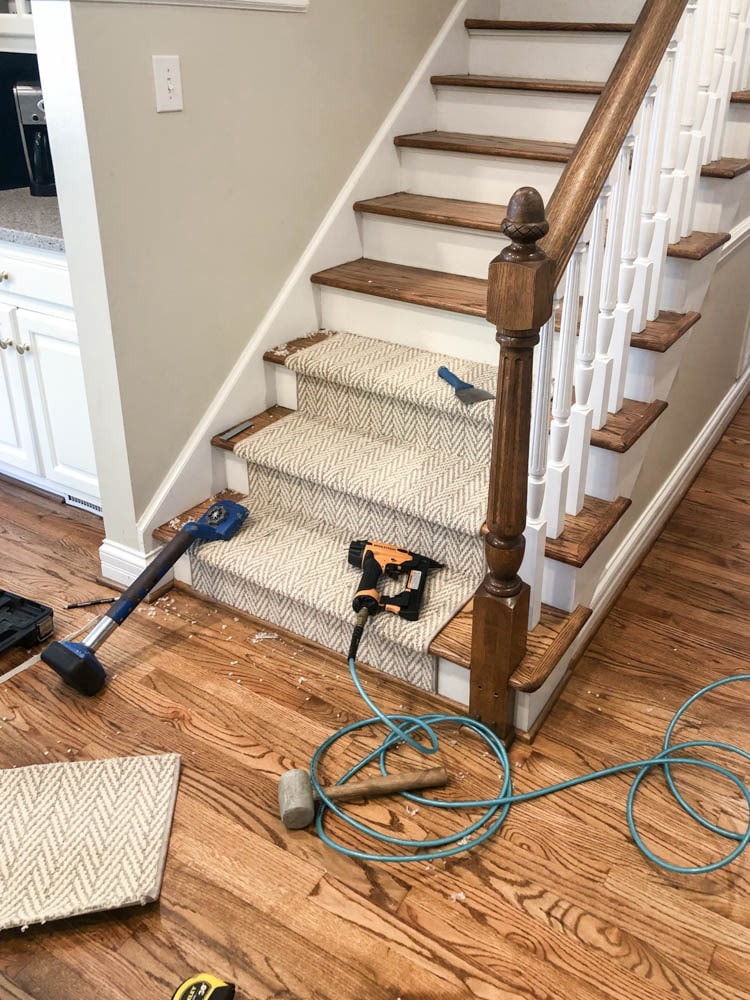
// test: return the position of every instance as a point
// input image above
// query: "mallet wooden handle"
(388, 784)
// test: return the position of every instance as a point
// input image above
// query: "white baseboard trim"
(122, 564)
(649, 525)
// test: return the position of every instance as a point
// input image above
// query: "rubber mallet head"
(297, 797)
(77, 665)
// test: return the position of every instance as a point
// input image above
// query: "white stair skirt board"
(439, 248)
(611, 474)
(651, 374)
(721, 203)
(617, 11)
(524, 114)
(686, 283)
(469, 337)
(122, 564)
(472, 177)
(563, 55)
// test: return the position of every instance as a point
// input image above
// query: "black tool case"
(22, 622)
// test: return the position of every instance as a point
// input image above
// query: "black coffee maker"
(33, 124)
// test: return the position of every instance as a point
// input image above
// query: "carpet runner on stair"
(380, 448)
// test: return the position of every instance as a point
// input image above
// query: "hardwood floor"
(560, 905)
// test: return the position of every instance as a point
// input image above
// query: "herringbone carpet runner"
(379, 448)
(83, 836)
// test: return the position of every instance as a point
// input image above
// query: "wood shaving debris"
(457, 896)
(264, 635)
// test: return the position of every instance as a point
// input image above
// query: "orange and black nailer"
(377, 559)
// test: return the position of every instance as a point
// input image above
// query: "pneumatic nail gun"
(377, 559)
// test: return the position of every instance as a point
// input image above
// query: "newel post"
(519, 302)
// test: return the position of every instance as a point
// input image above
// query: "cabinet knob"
(5, 344)
(23, 348)
(4, 276)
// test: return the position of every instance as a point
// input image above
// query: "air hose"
(406, 728)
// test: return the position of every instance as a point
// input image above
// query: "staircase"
(359, 438)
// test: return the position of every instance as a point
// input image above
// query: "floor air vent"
(83, 504)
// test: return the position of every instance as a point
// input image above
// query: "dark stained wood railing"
(522, 280)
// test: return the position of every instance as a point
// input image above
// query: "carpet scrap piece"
(83, 836)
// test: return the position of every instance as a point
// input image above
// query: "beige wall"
(204, 213)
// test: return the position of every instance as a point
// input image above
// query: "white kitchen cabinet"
(45, 431)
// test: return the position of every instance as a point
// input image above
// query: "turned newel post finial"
(524, 225)
(519, 302)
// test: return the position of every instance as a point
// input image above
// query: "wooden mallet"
(297, 798)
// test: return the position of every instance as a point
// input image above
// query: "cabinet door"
(58, 398)
(17, 444)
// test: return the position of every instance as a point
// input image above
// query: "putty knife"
(465, 391)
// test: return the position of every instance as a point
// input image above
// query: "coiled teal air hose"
(403, 728)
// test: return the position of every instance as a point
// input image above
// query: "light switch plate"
(168, 83)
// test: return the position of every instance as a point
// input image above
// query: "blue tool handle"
(454, 380)
(151, 575)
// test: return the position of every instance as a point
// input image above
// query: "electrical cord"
(404, 728)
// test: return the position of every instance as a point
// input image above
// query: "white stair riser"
(721, 203)
(436, 330)
(236, 469)
(737, 135)
(521, 114)
(611, 474)
(474, 178)
(686, 283)
(609, 11)
(440, 248)
(651, 374)
(545, 55)
(566, 587)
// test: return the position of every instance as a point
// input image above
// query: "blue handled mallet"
(76, 662)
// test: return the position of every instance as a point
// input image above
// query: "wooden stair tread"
(167, 531)
(261, 420)
(697, 245)
(278, 355)
(420, 286)
(664, 331)
(726, 168)
(624, 428)
(488, 145)
(440, 211)
(546, 643)
(584, 532)
(518, 83)
(489, 216)
(495, 24)
(741, 97)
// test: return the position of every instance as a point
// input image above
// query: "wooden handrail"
(573, 200)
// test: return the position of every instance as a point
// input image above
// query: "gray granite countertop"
(29, 221)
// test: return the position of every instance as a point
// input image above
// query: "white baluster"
(532, 567)
(742, 48)
(728, 27)
(607, 335)
(711, 65)
(691, 140)
(624, 311)
(672, 81)
(635, 273)
(581, 421)
(555, 495)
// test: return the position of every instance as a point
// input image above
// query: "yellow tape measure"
(203, 987)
